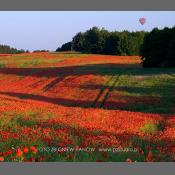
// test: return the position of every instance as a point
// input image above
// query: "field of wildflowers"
(79, 107)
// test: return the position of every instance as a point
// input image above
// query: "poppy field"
(72, 107)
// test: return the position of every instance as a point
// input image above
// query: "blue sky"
(48, 30)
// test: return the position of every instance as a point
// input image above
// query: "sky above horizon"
(32, 30)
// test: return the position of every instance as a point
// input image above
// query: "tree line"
(101, 41)
(5, 49)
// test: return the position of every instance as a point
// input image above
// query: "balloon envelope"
(142, 21)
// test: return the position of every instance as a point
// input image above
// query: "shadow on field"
(132, 103)
(58, 101)
(96, 69)
(127, 103)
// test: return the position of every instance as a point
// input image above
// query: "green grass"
(37, 62)
(30, 63)
(23, 61)
(2, 65)
(149, 128)
(139, 82)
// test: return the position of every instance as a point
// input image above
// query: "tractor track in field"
(102, 91)
(106, 90)
(110, 89)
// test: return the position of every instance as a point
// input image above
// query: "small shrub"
(149, 128)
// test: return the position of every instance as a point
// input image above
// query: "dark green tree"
(65, 47)
(111, 44)
(157, 49)
(78, 42)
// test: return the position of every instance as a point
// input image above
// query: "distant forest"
(5, 49)
(156, 48)
(101, 41)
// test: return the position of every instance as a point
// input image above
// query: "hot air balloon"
(142, 20)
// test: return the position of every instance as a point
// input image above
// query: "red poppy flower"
(71, 156)
(33, 149)
(128, 160)
(25, 150)
(9, 152)
(1, 159)
(19, 153)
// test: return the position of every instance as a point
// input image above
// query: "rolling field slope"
(80, 107)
